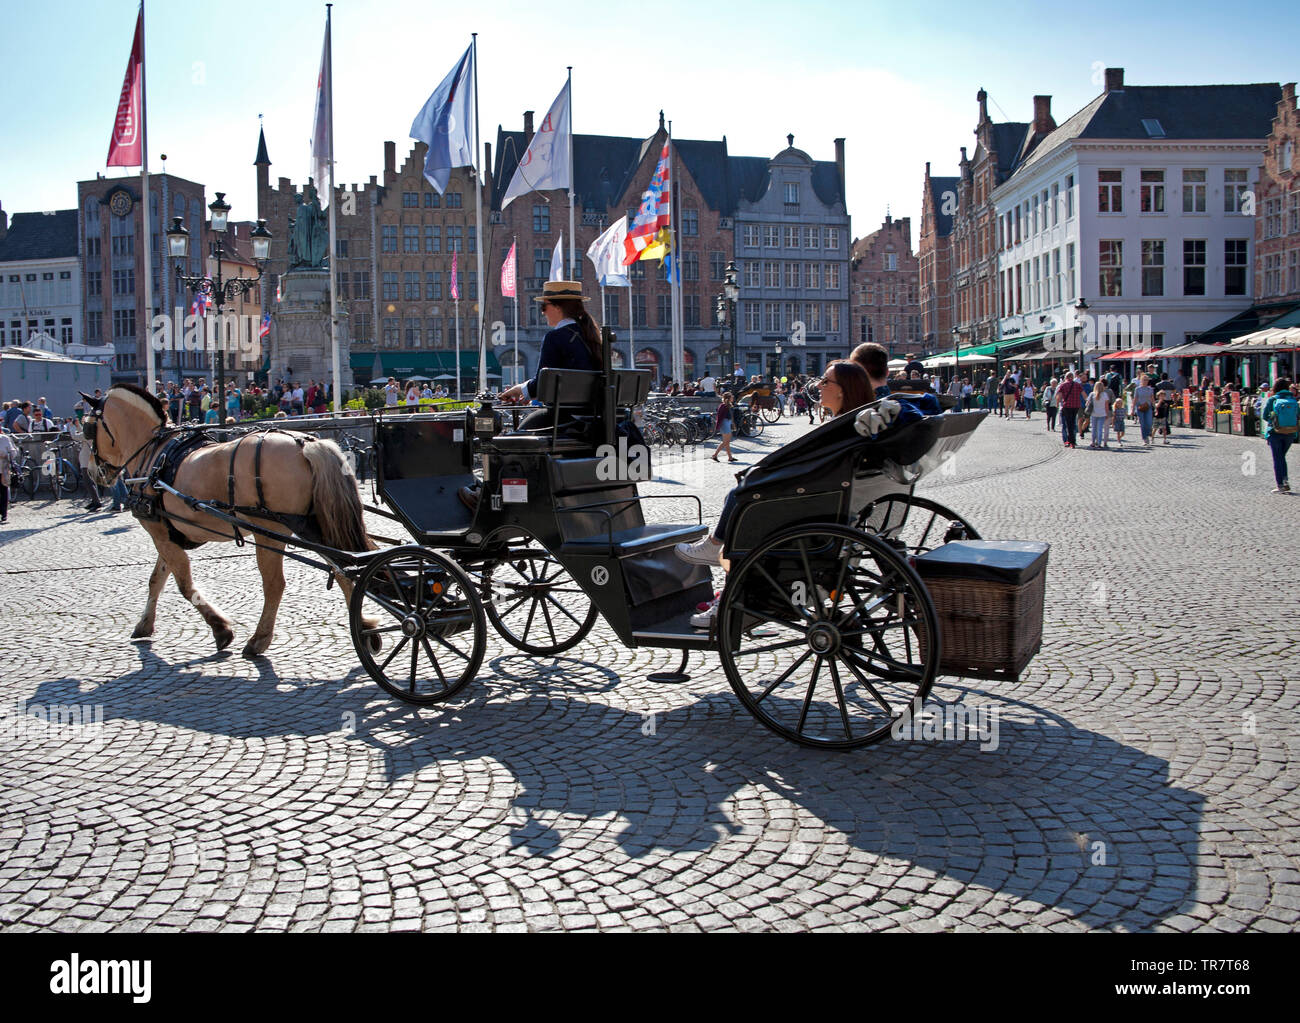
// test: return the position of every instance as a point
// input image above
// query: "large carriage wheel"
(429, 624)
(772, 411)
(915, 524)
(535, 604)
(827, 635)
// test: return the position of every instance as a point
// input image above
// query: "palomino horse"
(287, 477)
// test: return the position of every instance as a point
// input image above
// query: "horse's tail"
(335, 498)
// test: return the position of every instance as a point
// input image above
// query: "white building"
(1141, 205)
(40, 283)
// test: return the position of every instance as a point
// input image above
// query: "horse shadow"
(1056, 814)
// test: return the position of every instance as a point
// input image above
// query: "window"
(123, 324)
(411, 238)
(473, 240)
(1033, 217)
(542, 263)
(473, 285)
(771, 274)
(1283, 160)
(772, 316)
(388, 238)
(1056, 203)
(1152, 191)
(341, 248)
(65, 330)
(1110, 191)
(1153, 267)
(751, 235)
(717, 265)
(832, 276)
(812, 237)
(812, 277)
(94, 247)
(832, 238)
(610, 312)
(410, 200)
(412, 332)
(432, 237)
(636, 272)
(1110, 282)
(753, 318)
(1056, 277)
(1069, 199)
(431, 200)
(94, 327)
(869, 294)
(1234, 266)
(792, 193)
(691, 311)
(123, 245)
(389, 293)
(94, 282)
(456, 239)
(690, 223)
(433, 330)
(793, 278)
(1193, 267)
(433, 287)
(362, 277)
(792, 237)
(663, 310)
(753, 271)
(638, 310)
(542, 219)
(891, 260)
(392, 330)
(124, 282)
(1234, 188)
(833, 317)
(1194, 191)
(771, 236)
(343, 285)
(1294, 206)
(411, 287)
(1293, 272)
(690, 266)
(453, 201)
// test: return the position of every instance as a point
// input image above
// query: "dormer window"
(792, 193)
(1153, 128)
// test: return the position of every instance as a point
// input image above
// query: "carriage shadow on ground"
(1057, 815)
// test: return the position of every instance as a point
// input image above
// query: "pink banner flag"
(508, 272)
(455, 292)
(126, 147)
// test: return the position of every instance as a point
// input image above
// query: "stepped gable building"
(934, 259)
(728, 208)
(110, 225)
(1137, 205)
(884, 278)
(1277, 207)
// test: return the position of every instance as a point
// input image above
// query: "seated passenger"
(875, 360)
(573, 342)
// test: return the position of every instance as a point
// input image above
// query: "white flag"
(557, 260)
(607, 253)
(320, 134)
(545, 163)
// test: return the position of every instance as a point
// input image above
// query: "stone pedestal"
(300, 331)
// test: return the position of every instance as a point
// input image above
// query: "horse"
(283, 481)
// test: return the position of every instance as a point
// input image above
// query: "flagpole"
(514, 241)
(151, 376)
(573, 236)
(478, 220)
(457, 347)
(334, 298)
(674, 274)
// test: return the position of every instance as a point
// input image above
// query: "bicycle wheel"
(31, 480)
(69, 478)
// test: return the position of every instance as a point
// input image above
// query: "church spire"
(262, 158)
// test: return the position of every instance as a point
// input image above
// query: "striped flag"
(652, 216)
(509, 273)
(455, 291)
(265, 331)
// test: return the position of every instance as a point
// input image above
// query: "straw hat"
(555, 291)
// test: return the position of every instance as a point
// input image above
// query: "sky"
(898, 81)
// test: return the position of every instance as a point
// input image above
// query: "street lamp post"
(1080, 309)
(222, 289)
(731, 293)
(956, 353)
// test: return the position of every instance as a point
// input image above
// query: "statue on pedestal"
(308, 232)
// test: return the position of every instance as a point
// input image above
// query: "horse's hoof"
(256, 646)
(142, 631)
(224, 637)
(375, 640)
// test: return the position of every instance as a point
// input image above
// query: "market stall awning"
(993, 347)
(404, 365)
(1193, 350)
(1271, 339)
(1248, 321)
(1134, 354)
(966, 358)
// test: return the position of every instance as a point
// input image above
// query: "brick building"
(110, 223)
(884, 281)
(934, 259)
(1277, 207)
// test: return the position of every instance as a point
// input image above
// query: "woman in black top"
(573, 342)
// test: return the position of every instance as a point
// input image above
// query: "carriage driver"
(573, 342)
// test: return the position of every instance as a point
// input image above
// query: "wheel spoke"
(802, 612)
(785, 645)
(415, 663)
(784, 675)
(419, 588)
(394, 652)
(528, 625)
(550, 626)
(513, 607)
(866, 682)
(867, 658)
(562, 609)
(812, 582)
(378, 629)
(458, 653)
(839, 696)
(742, 609)
(433, 659)
(397, 587)
(807, 700)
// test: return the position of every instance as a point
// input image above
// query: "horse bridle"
(90, 430)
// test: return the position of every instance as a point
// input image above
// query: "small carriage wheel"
(429, 620)
(827, 635)
(916, 524)
(772, 412)
(535, 604)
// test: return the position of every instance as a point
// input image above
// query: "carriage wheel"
(915, 524)
(535, 604)
(827, 635)
(429, 623)
(772, 412)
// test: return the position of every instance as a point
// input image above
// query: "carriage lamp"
(261, 242)
(731, 282)
(178, 240)
(220, 210)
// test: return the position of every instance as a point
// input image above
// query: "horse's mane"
(150, 399)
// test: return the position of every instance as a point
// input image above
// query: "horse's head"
(119, 426)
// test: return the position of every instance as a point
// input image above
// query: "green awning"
(1257, 317)
(993, 347)
(402, 364)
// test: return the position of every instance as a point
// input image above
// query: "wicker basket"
(987, 628)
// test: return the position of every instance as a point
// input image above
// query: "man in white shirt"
(391, 395)
(709, 386)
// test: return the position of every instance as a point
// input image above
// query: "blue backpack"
(1285, 414)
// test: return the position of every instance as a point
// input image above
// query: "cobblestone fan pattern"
(1144, 775)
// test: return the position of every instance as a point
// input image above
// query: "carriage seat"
(625, 543)
(567, 394)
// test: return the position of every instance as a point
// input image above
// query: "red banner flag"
(508, 275)
(455, 292)
(126, 147)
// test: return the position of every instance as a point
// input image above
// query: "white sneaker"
(702, 552)
(704, 620)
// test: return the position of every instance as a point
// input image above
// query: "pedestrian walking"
(1070, 396)
(1049, 404)
(1027, 399)
(1118, 415)
(1144, 406)
(1097, 410)
(1280, 428)
(8, 456)
(724, 422)
(1009, 389)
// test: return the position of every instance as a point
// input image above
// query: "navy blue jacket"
(562, 348)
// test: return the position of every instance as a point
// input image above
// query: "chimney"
(487, 166)
(528, 127)
(390, 161)
(1114, 79)
(839, 165)
(1288, 94)
(1043, 122)
(982, 98)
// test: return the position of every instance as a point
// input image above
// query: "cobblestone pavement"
(1144, 775)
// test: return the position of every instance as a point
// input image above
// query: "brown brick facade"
(884, 279)
(1277, 207)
